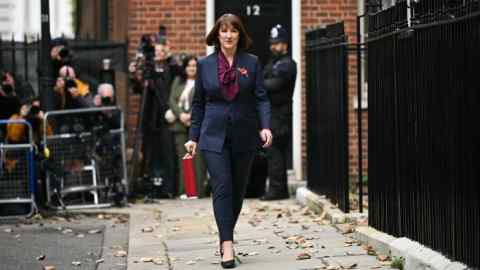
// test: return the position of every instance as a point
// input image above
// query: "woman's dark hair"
(229, 20)
(185, 61)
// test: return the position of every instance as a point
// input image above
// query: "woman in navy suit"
(230, 120)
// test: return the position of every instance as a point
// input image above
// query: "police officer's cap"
(278, 34)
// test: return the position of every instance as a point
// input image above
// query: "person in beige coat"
(179, 115)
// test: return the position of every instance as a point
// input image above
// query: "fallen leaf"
(147, 230)
(383, 258)
(345, 228)
(350, 241)
(307, 245)
(350, 266)
(60, 219)
(120, 253)
(303, 256)
(37, 217)
(157, 261)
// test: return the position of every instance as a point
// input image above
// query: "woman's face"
(191, 69)
(161, 52)
(228, 37)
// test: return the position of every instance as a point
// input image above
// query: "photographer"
(60, 54)
(14, 87)
(71, 92)
(105, 98)
(155, 70)
(18, 133)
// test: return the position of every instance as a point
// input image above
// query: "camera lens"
(64, 52)
(106, 101)
(69, 83)
(7, 88)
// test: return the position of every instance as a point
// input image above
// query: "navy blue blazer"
(248, 112)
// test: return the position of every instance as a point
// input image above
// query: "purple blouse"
(228, 77)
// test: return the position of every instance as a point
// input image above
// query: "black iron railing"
(327, 127)
(424, 94)
(22, 58)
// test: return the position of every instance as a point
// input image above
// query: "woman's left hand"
(266, 136)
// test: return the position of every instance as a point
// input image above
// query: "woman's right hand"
(191, 147)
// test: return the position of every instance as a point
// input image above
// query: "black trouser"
(159, 151)
(277, 156)
(229, 174)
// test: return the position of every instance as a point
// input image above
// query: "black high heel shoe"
(226, 264)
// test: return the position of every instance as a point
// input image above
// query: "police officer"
(279, 81)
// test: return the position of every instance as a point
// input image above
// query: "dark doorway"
(259, 17)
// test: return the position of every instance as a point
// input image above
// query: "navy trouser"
(229, 174)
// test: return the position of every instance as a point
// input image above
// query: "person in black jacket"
(158, 142)
(279, 81)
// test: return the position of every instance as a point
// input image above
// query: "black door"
(259, 16)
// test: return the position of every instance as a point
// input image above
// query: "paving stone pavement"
(182, 235)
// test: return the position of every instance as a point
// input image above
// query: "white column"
(13, 19)
(297, 97)
(61, 15)
(33, 19)
(209, 21)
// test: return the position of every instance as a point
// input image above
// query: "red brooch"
(243, 71)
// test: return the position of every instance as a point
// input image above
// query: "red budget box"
(189, 179)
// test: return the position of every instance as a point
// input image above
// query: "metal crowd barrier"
(17, 173)
(86, 157)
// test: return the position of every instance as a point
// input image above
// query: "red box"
(189, 178)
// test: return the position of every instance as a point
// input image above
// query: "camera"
(107, 101)
(65, 55)
(146, 47)
(64, 52)
(7, 88)
(70, 83)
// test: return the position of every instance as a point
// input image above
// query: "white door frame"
(297, 97)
